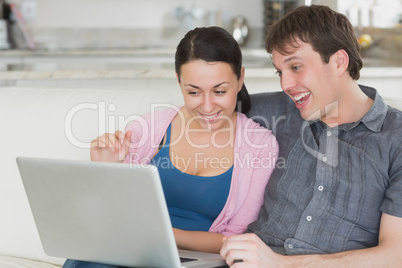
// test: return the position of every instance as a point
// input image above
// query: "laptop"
(109, 213)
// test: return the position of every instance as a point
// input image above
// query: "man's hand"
(248, 250)
(111, 147)
(253, 252)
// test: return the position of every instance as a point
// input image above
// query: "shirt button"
(324, 159)
(290, 246)
(320, 188)
(329, 133)
(309, 218)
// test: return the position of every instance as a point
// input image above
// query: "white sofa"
(56, 123)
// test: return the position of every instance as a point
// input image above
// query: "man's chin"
(311, 116)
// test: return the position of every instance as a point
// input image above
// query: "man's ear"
(341, 59)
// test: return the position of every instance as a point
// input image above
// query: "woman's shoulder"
(158, 114)
(163, 112)
(153, 120)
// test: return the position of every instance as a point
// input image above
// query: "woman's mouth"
(301, 98)
(211, 117)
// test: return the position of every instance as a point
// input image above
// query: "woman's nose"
(208, 103)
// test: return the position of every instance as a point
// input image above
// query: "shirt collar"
(375, 117)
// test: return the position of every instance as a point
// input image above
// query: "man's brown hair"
(326, 30)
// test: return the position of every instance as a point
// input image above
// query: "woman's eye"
(296, 68)
(192, 93)
(219, 92)
(279, 73)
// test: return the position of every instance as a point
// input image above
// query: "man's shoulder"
(275, 99)
(393, 121)
(269, 106)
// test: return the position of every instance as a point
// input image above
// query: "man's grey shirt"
(330, 185)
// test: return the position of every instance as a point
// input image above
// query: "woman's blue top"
(193, 202)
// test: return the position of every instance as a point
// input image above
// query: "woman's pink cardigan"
(255, 154)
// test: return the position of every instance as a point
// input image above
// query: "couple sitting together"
(322, 189)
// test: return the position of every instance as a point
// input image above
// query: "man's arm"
(255, 253)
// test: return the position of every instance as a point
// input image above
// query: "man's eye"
(279, 73)
(296, 68)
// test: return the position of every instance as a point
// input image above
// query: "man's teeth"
(299, 97)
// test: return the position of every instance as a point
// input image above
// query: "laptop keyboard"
(183, 259)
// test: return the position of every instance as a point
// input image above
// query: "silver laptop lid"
(100, 212)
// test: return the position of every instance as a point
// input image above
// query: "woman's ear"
(341, 58)
(178, 78)
(241, 79)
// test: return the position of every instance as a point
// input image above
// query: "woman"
(214, 162)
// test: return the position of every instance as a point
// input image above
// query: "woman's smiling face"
(210, 92)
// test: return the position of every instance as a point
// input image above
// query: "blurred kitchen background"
(71, 24)
(51, 35)
(120, 24)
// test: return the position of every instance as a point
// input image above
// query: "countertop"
(369, 72)
(256, 62)
(147, 51)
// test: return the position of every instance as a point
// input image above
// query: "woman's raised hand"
(111, 147)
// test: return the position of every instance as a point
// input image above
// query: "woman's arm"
(198, 240)
(252, 173)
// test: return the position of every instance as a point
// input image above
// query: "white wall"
(136, 23)
(143, 13)
(372, 13)
(135, 13)
(159, 13)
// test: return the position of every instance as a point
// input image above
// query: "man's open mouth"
(301, 98)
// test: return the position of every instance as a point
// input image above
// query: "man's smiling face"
(308, 81)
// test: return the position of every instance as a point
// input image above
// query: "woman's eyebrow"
(190, 85)
(220, 84)
(216, 86)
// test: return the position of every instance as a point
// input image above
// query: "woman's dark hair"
(326, 30)
(213, 44)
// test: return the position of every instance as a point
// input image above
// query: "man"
(337, 199)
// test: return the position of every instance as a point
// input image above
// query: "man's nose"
(287, 82)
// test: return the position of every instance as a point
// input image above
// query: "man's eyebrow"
(288, 59)
(292, 58)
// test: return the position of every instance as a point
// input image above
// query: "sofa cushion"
(13, 262)
(55, 123)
